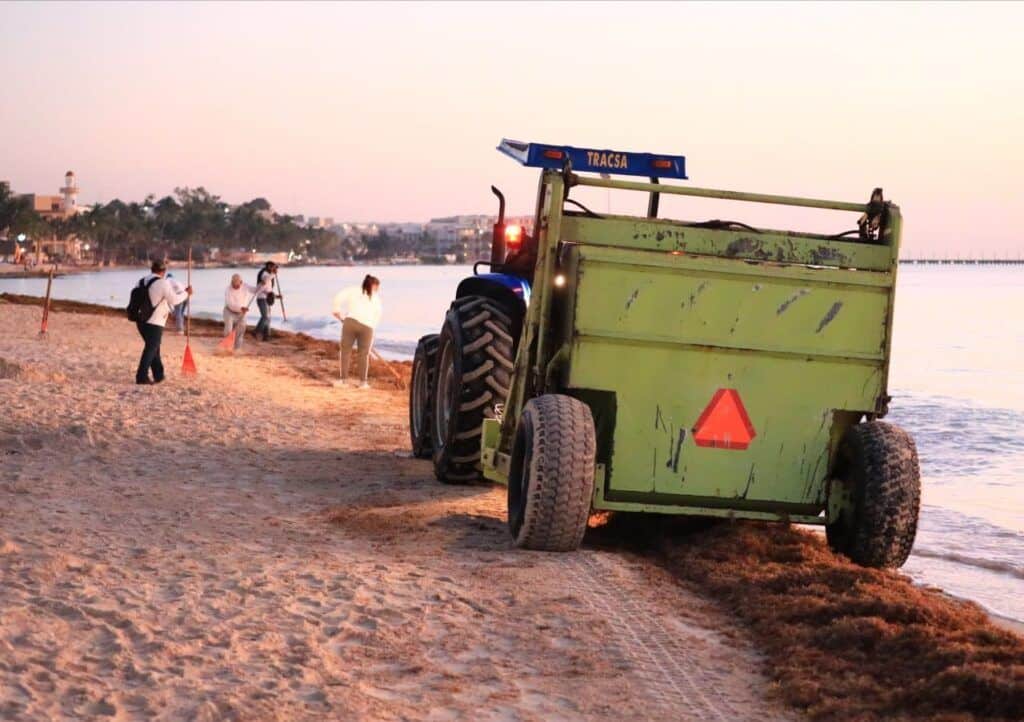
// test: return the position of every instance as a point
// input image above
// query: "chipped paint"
(747, 246)
(632, 298)
(832, 312)
(789, 301)
(699, 290)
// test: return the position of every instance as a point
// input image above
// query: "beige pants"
(234, 322)
(360, 335)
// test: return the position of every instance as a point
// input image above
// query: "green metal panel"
(657, 316)
(665, 332)
(777, 246)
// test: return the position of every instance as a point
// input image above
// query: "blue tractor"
(462, 375)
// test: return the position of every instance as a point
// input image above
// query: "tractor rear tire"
(421, 395)
(551, 478)
(878, 464)
(474, 372)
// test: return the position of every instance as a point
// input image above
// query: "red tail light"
(513, 235)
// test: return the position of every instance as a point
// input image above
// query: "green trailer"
(674, 367)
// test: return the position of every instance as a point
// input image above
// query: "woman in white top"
(359, 309)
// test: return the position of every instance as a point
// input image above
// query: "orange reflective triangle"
(724, 424)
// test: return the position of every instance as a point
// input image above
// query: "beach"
(253, 544)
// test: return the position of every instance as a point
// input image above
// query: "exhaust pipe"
(498, 233)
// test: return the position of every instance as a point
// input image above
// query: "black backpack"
(140, 307)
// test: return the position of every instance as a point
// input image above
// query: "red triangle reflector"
(724, 424)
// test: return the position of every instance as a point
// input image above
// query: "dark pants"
(263, 326)
(150, 353)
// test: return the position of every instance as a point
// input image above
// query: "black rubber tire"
(421, 395)
(551, 478)
(878, 463)
(474, 367)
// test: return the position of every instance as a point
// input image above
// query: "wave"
(1001, 567)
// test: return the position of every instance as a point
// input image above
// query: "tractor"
(650, 365)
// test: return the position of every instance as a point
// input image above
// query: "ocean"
(957, 381)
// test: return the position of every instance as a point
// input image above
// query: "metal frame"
(719, 253)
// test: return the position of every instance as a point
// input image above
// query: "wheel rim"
(444, 400)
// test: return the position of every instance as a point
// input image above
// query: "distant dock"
(963, 261)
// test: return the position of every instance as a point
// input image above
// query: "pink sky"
(392, 112)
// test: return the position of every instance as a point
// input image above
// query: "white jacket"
(235, 299)
(265, 283)
(163, 297)
(353, 303)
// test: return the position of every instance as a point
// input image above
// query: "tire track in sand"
(688, 670)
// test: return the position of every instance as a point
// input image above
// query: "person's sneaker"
(144, 382)
(339, 383)
(364, 385)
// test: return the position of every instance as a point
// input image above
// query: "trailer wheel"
(474, 371)
(878, 471)
(421, 391)
(551, 478)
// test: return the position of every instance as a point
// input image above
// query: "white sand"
(253, 544)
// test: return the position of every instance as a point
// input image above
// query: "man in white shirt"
(359, 310)
(237, 298)
(164, 298)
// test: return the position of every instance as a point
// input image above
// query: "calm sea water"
(957, 379)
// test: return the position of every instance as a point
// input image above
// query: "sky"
(392, 111)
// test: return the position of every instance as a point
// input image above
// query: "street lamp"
(21, 237)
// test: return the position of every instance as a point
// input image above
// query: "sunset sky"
(392, 111)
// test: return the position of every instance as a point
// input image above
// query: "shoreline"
(289, 536)
(13, 271)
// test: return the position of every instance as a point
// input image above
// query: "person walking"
(265, 295)
(237, 298)
(179, 310)
(163, 298)
(359, 310)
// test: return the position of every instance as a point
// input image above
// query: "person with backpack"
(151, 302)
(265, 298)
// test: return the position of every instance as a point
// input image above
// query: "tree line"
(132, 232)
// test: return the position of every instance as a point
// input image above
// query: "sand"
(253, 544)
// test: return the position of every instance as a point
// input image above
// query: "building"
(469, 234)
(60, 206)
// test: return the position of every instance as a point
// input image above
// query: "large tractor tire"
(878, 471)
(551, 478)
(474, 371)
(421, 395)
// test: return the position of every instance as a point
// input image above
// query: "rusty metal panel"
(781, 247)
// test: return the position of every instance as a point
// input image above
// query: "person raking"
(359, 310)
(265, 296)
(237, 297)
(151, 303)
